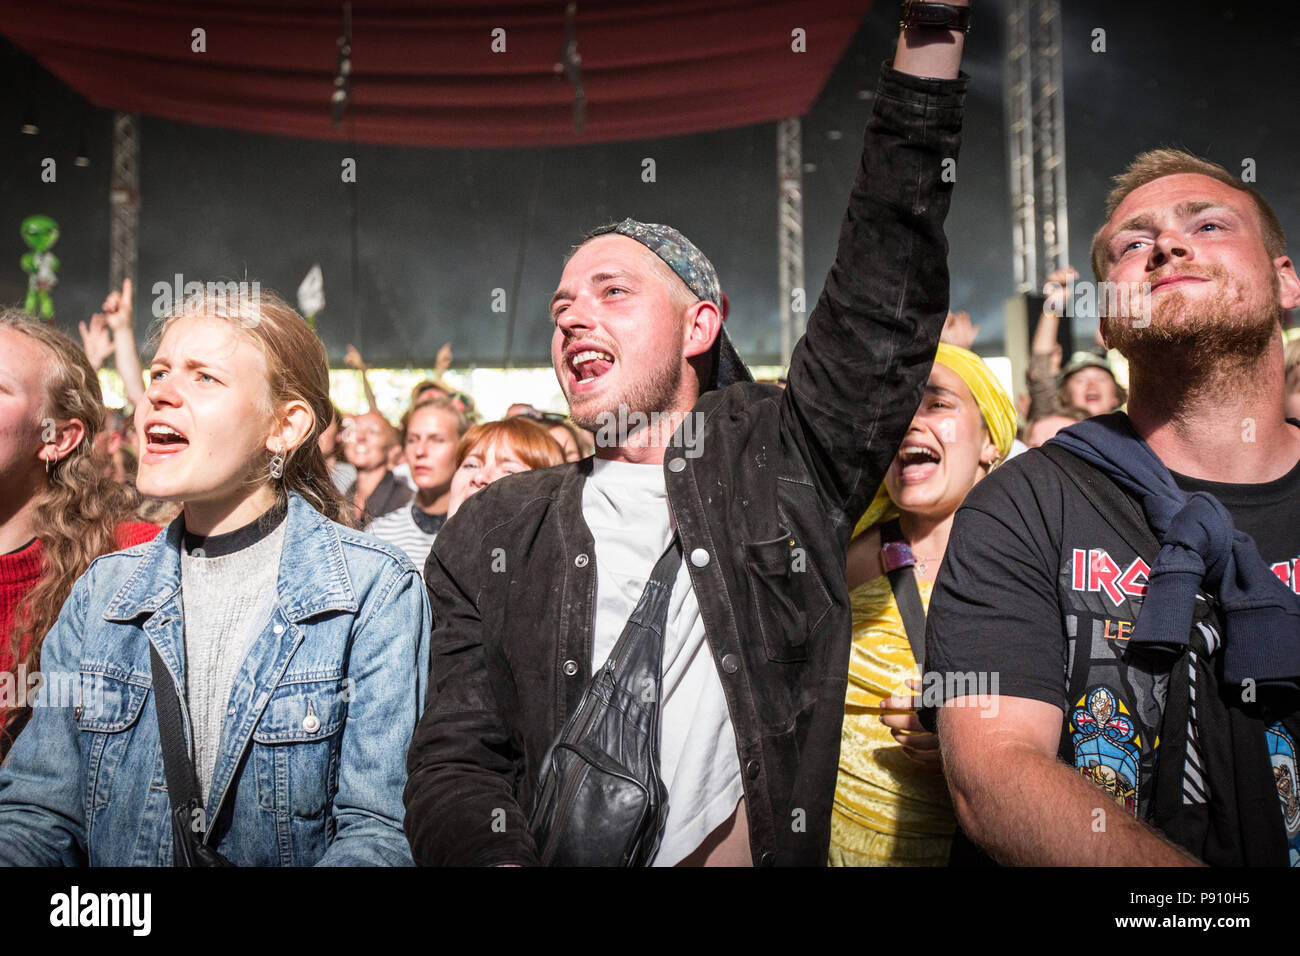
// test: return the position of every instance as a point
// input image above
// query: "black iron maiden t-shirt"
(1037, 588)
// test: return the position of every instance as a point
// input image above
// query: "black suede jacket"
(765, 510)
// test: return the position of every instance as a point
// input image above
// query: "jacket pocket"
(106, 710)
(790, 600)
(296, 747)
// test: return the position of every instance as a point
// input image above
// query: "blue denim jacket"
(347, 642)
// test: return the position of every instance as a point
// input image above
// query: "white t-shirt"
(626, 508)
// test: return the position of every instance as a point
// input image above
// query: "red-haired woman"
(492, 450)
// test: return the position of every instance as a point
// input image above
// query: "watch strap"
(933, 15)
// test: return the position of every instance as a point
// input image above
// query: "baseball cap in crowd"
(694, 269)
(1081, 360)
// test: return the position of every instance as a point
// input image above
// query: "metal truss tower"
(124, 200)
(789, 172)
(1035, 118)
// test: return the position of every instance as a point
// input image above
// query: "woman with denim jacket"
(298, 647)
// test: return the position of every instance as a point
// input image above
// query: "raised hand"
(959, 330)
(352, 359)
(117, 308)
(1058, 284)
(96, 339)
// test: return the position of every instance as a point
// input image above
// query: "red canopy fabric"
(425, 74)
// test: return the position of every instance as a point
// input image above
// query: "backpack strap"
(1120, 511)
(897, 559)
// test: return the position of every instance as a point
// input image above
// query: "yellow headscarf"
(993, 401)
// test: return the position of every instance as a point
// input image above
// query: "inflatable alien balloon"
(40, 233)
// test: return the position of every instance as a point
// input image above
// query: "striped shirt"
(410, 529)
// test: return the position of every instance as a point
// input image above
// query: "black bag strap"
(182, 788)
(663, 577)
(1120, 511)
(902, 579)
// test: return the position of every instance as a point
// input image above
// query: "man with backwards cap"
(535, 579)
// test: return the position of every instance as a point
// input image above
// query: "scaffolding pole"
(124, 200)
(789, 171)
(1034, 107)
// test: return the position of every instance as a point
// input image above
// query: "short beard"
(1183, 349)
(655, 392)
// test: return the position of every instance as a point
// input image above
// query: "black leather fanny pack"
(601, 801)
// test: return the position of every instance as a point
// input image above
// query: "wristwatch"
(938, 16)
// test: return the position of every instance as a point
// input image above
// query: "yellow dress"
(889, 810)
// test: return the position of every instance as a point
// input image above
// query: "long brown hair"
(297, 369)
(77, 515)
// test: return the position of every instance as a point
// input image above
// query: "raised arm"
(1044, 350)
(931, 53)
(117, 313)
(352, 359)
(856, 376)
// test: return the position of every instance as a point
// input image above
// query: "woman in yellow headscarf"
(891, 801)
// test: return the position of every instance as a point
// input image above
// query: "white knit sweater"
(226, 602)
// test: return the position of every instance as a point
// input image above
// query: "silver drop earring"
(277, 465)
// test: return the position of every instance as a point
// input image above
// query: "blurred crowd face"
(939, 460)
(566, 440)
(21, 398)
(483, 464)
(108, 444)
(369, 441)
(618, 332)
(1042, 429)
(203, 426)
(1092, 389)
(1214, 287)
(431, 439)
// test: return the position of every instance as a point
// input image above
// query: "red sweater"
(19, 572)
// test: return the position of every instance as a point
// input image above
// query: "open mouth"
(163, 439)
(917, 463)
(588, 365)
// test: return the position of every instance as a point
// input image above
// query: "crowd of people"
(870, 615)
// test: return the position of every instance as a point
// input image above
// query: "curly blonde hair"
(77, 515)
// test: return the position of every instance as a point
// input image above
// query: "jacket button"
(730, 663)
(278, 629)
(570, 668)
(311, 723)
(767, 859)
(580, 561)
(752, 769)
(699, 557)
(676, 465)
